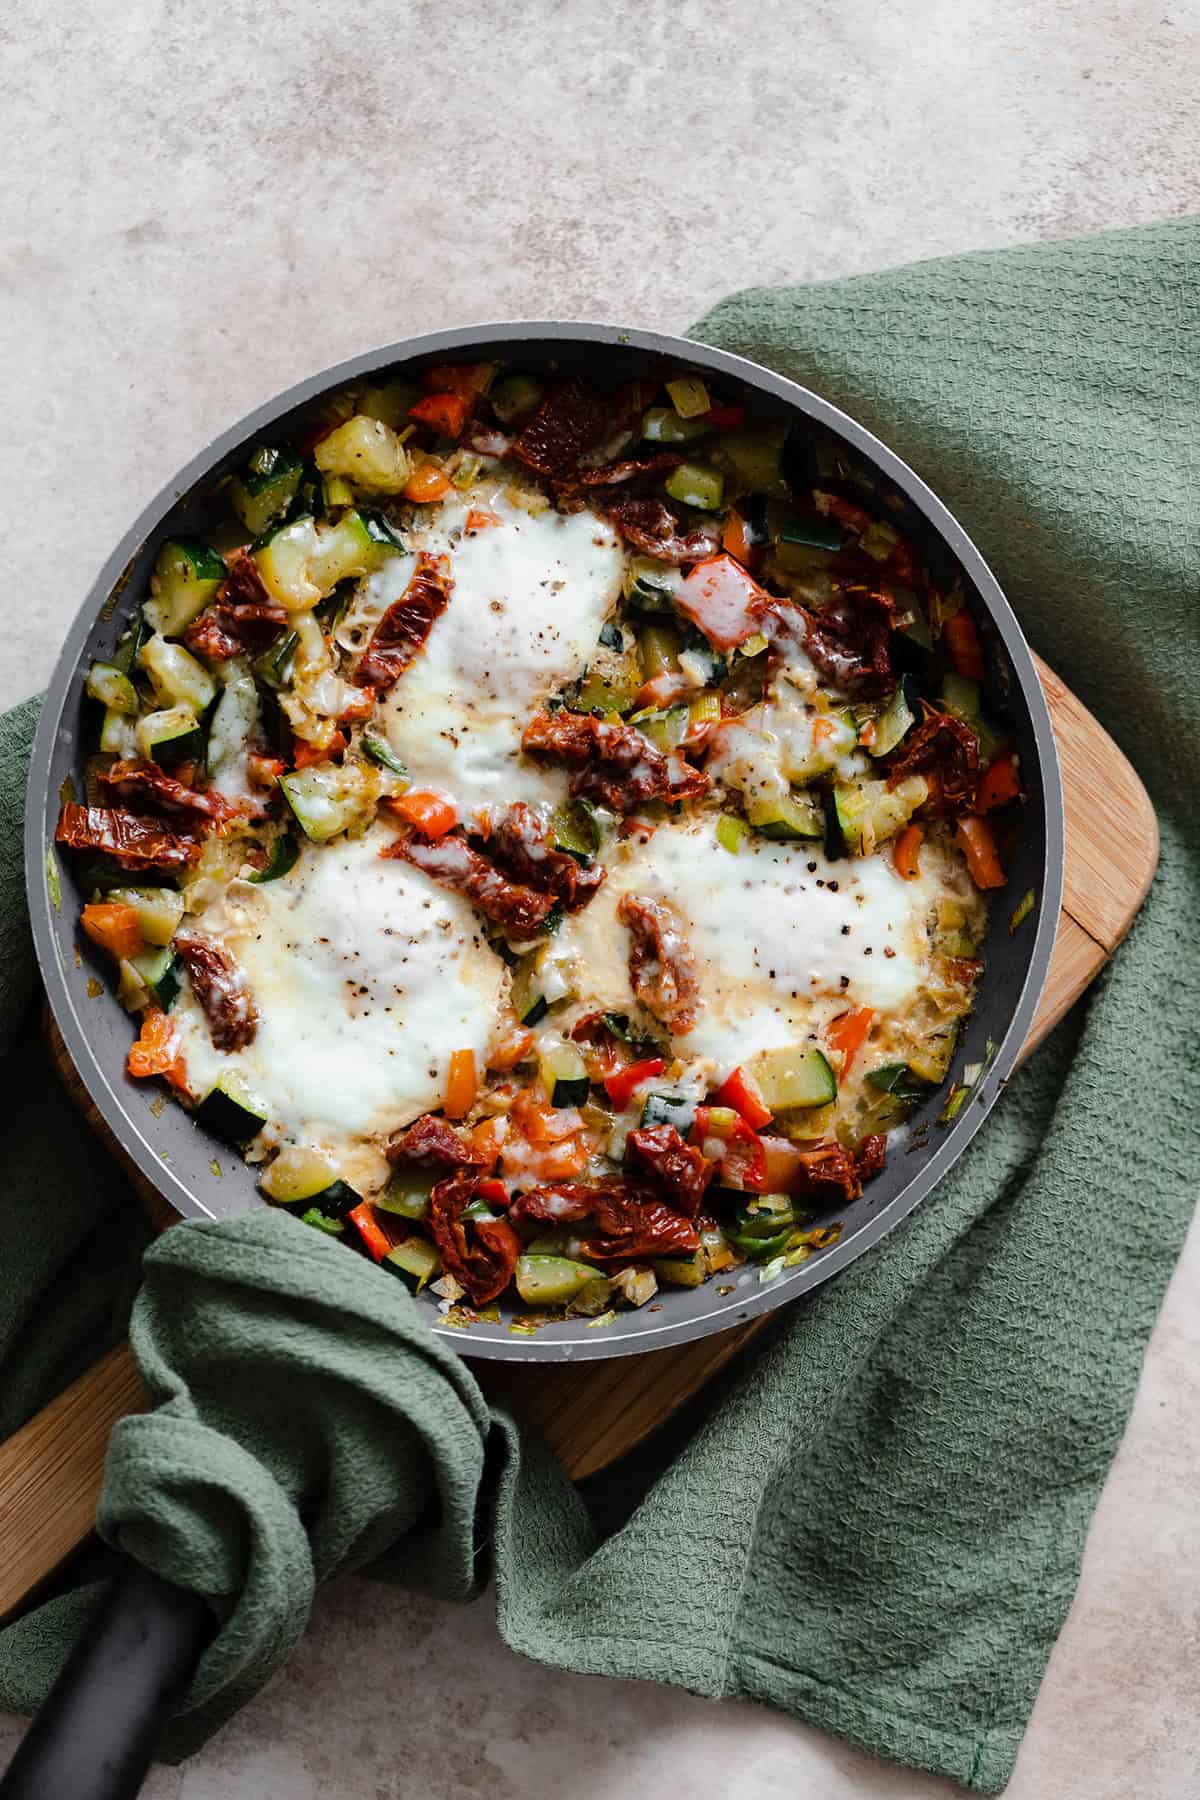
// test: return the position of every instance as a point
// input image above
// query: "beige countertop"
(204, 204)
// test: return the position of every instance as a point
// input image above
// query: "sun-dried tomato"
(662, 969)
(568, 422)
(627, 1221)
(832, 1173)
(680, 1169)
(400, 635)
(137, 844)
(849, 640)
(615, 765)
(651, 527)
(945, 749)
(522, 846)
(450, 861)
(145, 784)
(573, 493)
(481, 1254)
(220, 987)
(432, 1139)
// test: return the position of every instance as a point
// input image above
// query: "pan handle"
(97, 1728)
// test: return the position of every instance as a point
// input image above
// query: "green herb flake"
(1023, 910)
(955, 1100)
(215, 1166)
(53, 879)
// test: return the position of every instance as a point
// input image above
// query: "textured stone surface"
(202, 207)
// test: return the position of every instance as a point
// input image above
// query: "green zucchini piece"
(159, 969)
(170, 737)
(367, 452)
(896, 720)
(320, 802)
(322, 1222)
(869, 813)
(761, 1249)
(380, 532)
(651, 587)
(663, 425)
(230, 1113)
(178, 679)
(682, 1271)
(124, 657)
(788, 819)
(514, 396)
(576, 829)
(415, 1261)
(666, 730)
(380, 752)
(659, 646)
(389, 401)
(669, 1109)
(960, 695)
(158, 909)
(611, 635)
(112, 688)
(798, 1075)
(407, 1194)
(261, 492)
(284, 851)
(598, 693)
(765, 1215)
(695, 484)
(118, 735)
(900, 1083)
(552, 1280)
(529, 1002)
(297, 1176)
(564, 1075)
(187, 573)
(235, 717)
(756, 459)
(815, 530)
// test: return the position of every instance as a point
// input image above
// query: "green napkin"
(876, 1521)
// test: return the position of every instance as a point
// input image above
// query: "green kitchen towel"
(876, 1521)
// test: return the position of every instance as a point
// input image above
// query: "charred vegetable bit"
(639, 1086)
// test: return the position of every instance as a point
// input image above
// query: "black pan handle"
(96, 1731)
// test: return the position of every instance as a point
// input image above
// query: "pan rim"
(736, 1309)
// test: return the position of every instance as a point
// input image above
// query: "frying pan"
(201, 1178)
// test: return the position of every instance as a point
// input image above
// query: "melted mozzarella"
(782, 939)
(530, 595)
(782, 740)
(366, 976)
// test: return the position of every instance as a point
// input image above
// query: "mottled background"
(202, 204)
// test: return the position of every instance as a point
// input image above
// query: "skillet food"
(548, 828)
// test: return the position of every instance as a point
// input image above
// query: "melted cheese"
(530, 596)
(782, 939)
(366, 976)
(783, 740)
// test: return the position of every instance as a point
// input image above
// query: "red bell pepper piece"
(375, 1240)
(962, 645)
(446, 413)
(999, 784)
(740, 1093)
(743, 1160)
(622, 1086)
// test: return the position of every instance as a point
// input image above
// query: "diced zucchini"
(796, 1075)
(170, 737)
(389, 401)
(960, 695)
(514, 396)
(756, 459)
(529, 1001)
(124, 657)
(869, 813)
(366, 452)
(178, 679)
(381, 753)
(302, 562)
(118, 734)
(282, 858)
(187, 573)
(158, 909)
(576, 829)
(663, 425)
(896, 720)
(695, 484)
(732, 832)
(382, 533)
(564, 1075)
(113, 689)
(659, 646)
(788, 818)
(230, 1112)
(323, 800)
(552, 1280)
(593, 1298)
(611, 635)
(297, 1175)
(407, 1194)
(662, 1108)
(666, 730)
(689, 396)
(606, 694)
(816, 531)
(651, 587)
(234, 721)
(263, 490)
(879, 540)
(415, 1262)
(900, 1082)
(159, 969)
(683, 1271)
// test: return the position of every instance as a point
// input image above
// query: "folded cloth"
(876, 1521)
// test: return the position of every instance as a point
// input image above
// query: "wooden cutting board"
(51, 1470)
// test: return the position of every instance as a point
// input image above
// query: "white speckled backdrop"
(201, 205)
